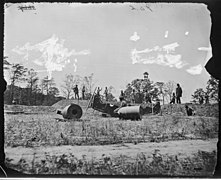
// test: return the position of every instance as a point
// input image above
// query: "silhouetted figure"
(76, 92)
(106, 93)
(121, 95)
(83, 91)
(189, 111)
(178, 94)
(98, 91)
(173, 99)
(147, 97)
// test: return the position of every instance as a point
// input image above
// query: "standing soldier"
(106, 93)
(121, 95)
(98, 91)
(76, 93)
(83, 91)
(178, 94)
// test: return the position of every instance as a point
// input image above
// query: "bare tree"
(160, 85)
(47, 84)
(89, 83)
(168, 88)
(68, 85)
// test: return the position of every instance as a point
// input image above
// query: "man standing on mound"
(76, 92)
(178, 94)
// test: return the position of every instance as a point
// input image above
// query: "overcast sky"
(116, 42)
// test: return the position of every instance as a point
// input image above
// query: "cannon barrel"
(72, 111)
(130, 112)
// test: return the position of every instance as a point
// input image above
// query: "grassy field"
(50, 130)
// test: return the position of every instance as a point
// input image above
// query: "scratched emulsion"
(54, 55)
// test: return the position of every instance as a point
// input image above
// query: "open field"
(172, 144)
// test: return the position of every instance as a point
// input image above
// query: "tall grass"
(200, 164)
(44, 129)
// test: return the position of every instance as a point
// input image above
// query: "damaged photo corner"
(110, 90)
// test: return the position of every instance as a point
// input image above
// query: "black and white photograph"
(109, 89)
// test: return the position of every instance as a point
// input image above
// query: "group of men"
(146, 96)
(76, 92)
(177, 96)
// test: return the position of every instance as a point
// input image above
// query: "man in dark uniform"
(76, 92)
(121, 95)
(178, 94)
(189, 111)
(106, 93)
(173, 99)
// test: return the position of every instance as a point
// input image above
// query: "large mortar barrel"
(72, 111)
(130, 112)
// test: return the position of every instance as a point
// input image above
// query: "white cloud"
(205, 48)
(134, 37)
(166, 34)
(158, 55)
(186, 33)
(54, 56)
(195, 69)
(170, 47)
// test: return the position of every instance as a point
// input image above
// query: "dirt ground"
(184, 148)
(34, 136)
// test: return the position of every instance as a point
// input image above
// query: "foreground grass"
(45, 130)
(200, 164)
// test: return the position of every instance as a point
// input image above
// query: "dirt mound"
(208, 110)
(65, 102)
(28, 109)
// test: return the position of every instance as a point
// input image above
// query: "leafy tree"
(140, 86)
(48, 87)
(211, 92)
(53, 91)
(212, 89)
(110, 96)
(198, 94)
(32, 81)
(17, 74)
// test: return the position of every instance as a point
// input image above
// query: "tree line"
(209, 94)
(44, 91)
(36, 91)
